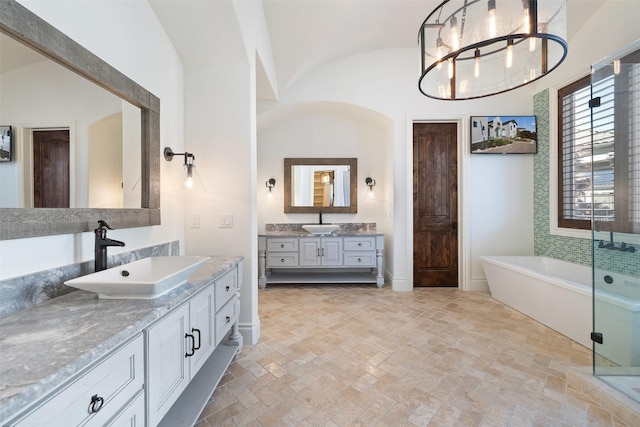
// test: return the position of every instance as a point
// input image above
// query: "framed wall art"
(6, 143)
(504, 135)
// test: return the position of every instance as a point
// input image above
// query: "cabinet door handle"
(226, 288)
(228, 319)
(193, 342)
(197, 347)
(359, 260)
(360, 244)
(96, 404)
(318, 252)
(281, 259)
(282, 246)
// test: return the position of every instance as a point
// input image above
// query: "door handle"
(454, 225)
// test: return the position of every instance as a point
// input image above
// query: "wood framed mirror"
(24, 26)
(327, 185)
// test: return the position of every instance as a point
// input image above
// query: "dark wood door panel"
(51, 169)
(435, 204)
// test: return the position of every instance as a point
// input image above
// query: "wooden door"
(51, 169)
(435, 207)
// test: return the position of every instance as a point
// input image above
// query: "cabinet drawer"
(282, 245)
(284, 259)
(359, 243)
(225, 318)
(132, 414)
(226, 287)
(360, 259)
(116, 380)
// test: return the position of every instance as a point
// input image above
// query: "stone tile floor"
(354, 355)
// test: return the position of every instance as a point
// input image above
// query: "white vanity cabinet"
(282, 252)
(108, 393)
(158, 361)
(347, 258)
(360, 251)
(174, 348)
(181, 343)
(317, 251)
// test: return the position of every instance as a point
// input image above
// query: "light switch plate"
(226, 221)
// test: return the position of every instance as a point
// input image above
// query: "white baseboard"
(400, 284)
(478, 284)
(250, 332)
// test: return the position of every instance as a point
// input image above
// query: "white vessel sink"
(143, 279)
(320, 228)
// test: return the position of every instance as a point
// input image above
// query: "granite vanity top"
(302, 233)
(346, 229)
(44, 346)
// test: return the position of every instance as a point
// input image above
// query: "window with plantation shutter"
(574, 155)
(602, 179)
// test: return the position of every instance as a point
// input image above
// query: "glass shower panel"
(615, 178)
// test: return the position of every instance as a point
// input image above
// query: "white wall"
(128, 36)
(220, 122)
(497, 192)
(324, 130)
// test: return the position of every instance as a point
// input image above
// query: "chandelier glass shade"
(476, 48)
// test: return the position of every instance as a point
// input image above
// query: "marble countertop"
(302, 233)
(46, 345)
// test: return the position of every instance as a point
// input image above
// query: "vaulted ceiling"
(305, 34)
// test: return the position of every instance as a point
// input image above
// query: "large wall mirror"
(328, 185)
(108, 144)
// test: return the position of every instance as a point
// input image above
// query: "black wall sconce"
(371, 183)
(270, 184)
(189, 163)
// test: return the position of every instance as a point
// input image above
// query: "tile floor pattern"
(357, 356)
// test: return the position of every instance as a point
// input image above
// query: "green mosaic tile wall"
(560, 247)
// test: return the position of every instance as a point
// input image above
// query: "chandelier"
(476, 48)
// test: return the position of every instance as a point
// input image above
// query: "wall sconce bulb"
(371, 183)
(270, 184)
(189, 164)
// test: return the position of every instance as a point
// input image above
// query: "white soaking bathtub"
(558, 294)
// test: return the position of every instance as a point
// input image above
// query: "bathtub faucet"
(611, 245)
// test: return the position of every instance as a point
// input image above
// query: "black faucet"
(611, 245)
(102, 241)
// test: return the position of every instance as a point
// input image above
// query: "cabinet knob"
(228, 319)
(226, 288)
(96, 404)
(359, 260)
(282, 245)
(281, 259)
(360, 244)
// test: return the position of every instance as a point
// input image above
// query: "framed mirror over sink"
(314, 185)
(27, 28)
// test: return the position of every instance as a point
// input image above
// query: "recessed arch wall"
(327, 129)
